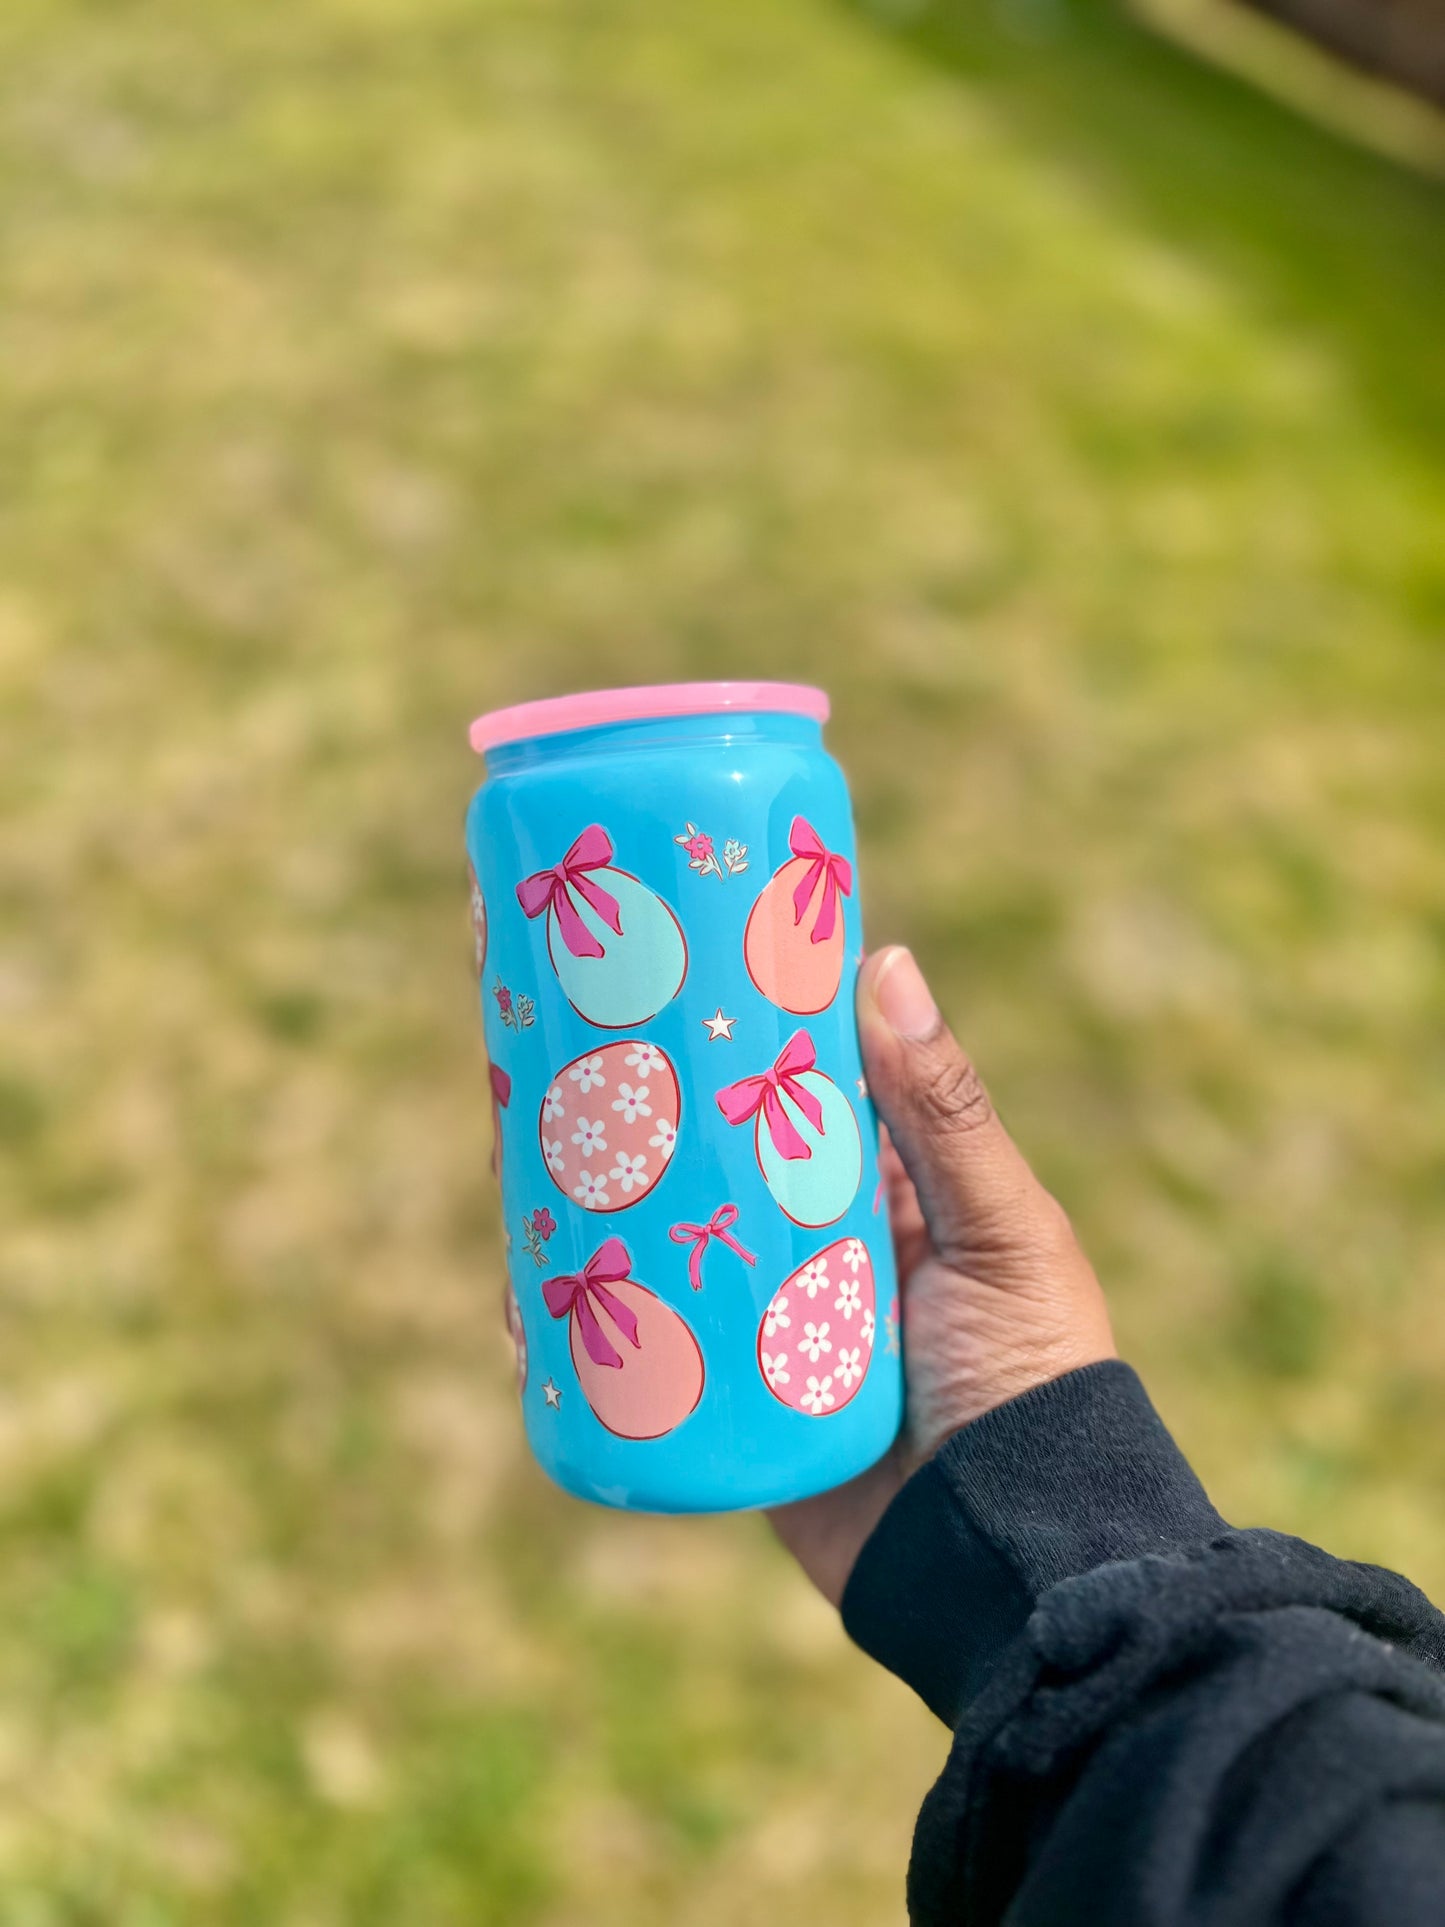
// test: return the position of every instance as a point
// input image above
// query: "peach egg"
(608, 1124)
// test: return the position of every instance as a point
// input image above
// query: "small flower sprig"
(536, 1230)
(702, 855)
(516, 1012)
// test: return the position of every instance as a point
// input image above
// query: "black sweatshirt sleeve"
(1158, 1722)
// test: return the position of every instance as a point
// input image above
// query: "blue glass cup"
(668, 935)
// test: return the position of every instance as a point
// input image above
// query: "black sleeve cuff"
(1069, 1476)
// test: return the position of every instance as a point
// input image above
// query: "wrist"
(1069, 1475)
(937, 1413)
(826, 1533)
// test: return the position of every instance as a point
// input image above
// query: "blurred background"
(1062, 388)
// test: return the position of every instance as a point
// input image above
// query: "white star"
(862, 1084)
(719, 1026)
(553, 1395)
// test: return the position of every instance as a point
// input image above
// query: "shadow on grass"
(1334, 240)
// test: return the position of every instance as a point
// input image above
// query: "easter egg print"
(636, 1360)
(479, 921)
(501, 1097)
(519, 1337)
(806, 1136)
(815, 1343)
(618, 950)
(794, 942)
(608, 1124)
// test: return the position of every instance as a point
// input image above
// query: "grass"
(1070, 411)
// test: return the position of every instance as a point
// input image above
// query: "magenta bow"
(574, 1294)
(501, 1085)
(832, 871)
(764, 1093)
(719, 1225)
(552, 890)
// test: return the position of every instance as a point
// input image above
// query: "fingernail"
(903, 997)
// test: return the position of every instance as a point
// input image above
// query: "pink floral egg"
(815, 1343)
(608, 1124)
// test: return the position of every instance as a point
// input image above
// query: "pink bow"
(833, 872)
(608, 1265)
(552, 890)
(501, 1085)
(718, 1226)
(764, 1093)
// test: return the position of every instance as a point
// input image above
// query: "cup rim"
(553, 715)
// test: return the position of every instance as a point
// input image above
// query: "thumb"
(980, 1200)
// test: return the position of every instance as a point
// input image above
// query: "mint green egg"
(816, 1190)
(638, 973)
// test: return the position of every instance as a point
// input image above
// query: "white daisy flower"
(868, 1329)
(855, 1254)
(632, 1103)
(664, 1137)
(644, 1059)
(815, 1341)
(849, 1297)
(628, 1171)
(776, 1318)
(590, 1192)
(552, 1151)
(848, 1366)
(775, 1368)
(818, 1397)
(589, 1136)
(552, 1105)
(586, 1072)
(815, 1277)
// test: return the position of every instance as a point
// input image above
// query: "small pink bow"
(719, 1225)
(832, 871)
(552, 890)
(501, 1085)
(574, 1294)
(764, 1093)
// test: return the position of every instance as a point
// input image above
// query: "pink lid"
(557, 713)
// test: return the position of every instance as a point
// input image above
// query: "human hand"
(996, 1295)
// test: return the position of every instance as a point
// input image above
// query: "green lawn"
(1077, 417)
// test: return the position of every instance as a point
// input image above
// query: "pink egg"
(815, 1343)
(608, 1125)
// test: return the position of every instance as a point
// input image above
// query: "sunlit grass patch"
(1073, 414)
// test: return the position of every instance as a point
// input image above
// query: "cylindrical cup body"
(702, 1281)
